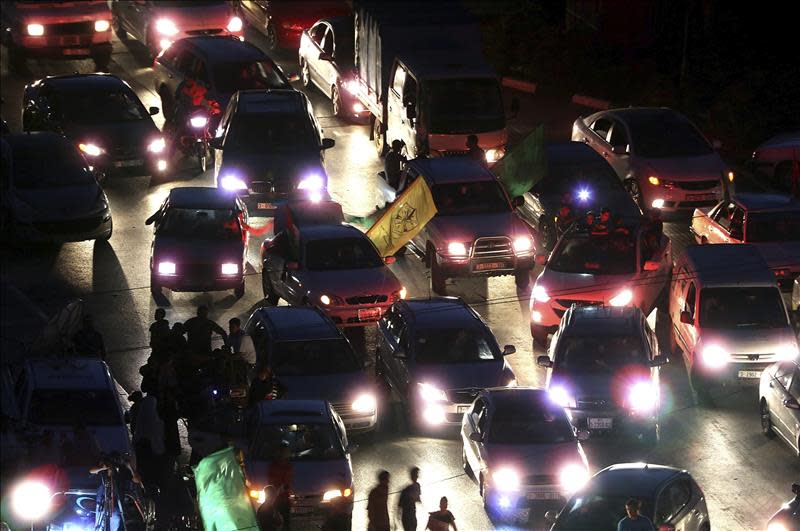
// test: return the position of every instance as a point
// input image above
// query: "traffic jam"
(317, 265)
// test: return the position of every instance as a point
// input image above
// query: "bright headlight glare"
(258, 495)
(522, 244)
(777, 526)
(573, 477)
(35, 30)
(431, 393)
(102, 25)
(539, 294)
(166, 268)
(731, 176)
(434, 414)
(90, 149)
(231, 182)
(331, 494)
(456, 249)
(166, 27)
(655, 181)
(365, 403)
(235, 25)
(787, 352)
(505, 479)
(351, 86)
(715, 356)
(561, 396)
(494, 154)
(623, 298)
(198, 122)
(658, 203)
(643, 397)
(161, 165)
(230, 269)
(312, 183)
(584, 195)
(157, 145)
(324, 299)
(31, 500)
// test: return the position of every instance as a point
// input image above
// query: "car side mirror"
(621, 149)
(292, 266)
(152, 219)
(411, 112)
(686, 318)
(216, 142)
(389, 260)
(518, 201)
(650, 265)
(514, 107)
(551, 516)
(509, 350)
(153, 111)
(544, 361)
(791, 403)
(658, 361)
(541, 259)
(716, 144)
(582, 435)
(328, 143)
(475, 437)
(400, 353)
(382, 175)
(325, 56)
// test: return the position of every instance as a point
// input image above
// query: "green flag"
(221, 493)
(523, 166)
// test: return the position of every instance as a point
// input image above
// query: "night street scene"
(385, 265)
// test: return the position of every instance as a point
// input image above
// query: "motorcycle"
(194, 136)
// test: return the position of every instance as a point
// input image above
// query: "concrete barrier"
(518, 84)
(593, 103)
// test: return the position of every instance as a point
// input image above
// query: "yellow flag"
(404, 219)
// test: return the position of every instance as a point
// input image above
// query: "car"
(102, 116)
(326, 60)
(57, 30)
(335, 267)
(199, 242)
(604, 368)
(779, 393)
(312, 359)
(436, 355)
(671, 499)
(618, 268)
(283, 23)
(664, 161)
(521, 449)
(775, 157)
(796, 296)
(158, 24)
(270, 148)
(729, 321)
(787, 518)
(574, 169)
(222, 64)
(771, 222)
(51, 194)
(476, 231)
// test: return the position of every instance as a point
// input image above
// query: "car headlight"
(312, 183)
(351, 86)
(198, 122)
(157, 146)
(655, 181)
(431, 393)
(539, 294)
(506, 479)
(714, 356)
(31, 500)
(258, 495)
(232, 183)
(92, 150)
(327, 300)
(102, 25)
(623, 298)
(494, 154)
(402, 293)
(643, 397)
(560, 395)
(731, 176)
(365, 403)
(235, 25)
(573, 477)
(787, 352)
(229, 269)
(35, 30)
(522, 244)
(166, 268)
(166, 27)
(456, 249)
(336, 493)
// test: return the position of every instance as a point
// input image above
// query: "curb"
(518, 84)
(593, 103)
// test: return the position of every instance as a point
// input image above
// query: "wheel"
(272, 38)
(438, 279)
(336, 100)
(101, 62)
(378, 137)
(766, 420)
(632, 186)
(522, 278)
(107, 237)
(700, 386)
(539, 334)
(305, 75)
(121, 33)
(270, 296)
(239, 290)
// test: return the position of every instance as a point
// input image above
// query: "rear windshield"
(67, 407)
(599, 354)
(455, 345)
(604, 254)
(341, 253)
(207, 224)
(481, 197)
(773, 227)
(244, 75)
(592, 511)
(256, 132)
(299, 358)
(100, 106)
(742, 308)
(59, 165)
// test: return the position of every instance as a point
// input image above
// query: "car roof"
(222, 48)
(36, 139)
(438, 312)
(632, 479)
(282, 411)
(640, 113)
(271, 101)
(452, 169)
(81, 81)
(202, 197)
(728, 264)
(72, 373)
(450, 64)
(603, 320)
(293, 323)
(321, 232)
(767, 202)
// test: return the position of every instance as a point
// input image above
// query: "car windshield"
(66, 407)
(341, 253)
(742, 308)
(307, 442)
(455, 345)
(666, 135)
(325, 356)
(100, 107)
(602, 254)
(460, 199)
(521, 421)
(204, 224)
(773, 227)
(590, 511)
(244, 75)
(258, 132)
(604, 354)
(464, 106)
(60, 165)
(569, 177)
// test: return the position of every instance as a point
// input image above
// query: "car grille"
(462, 396)
(695, 185)
(70, 28)
(125, 152)
(540, 479)
(198, 271)
(367, 299)
(594, 403)
(753, 357)
(212, 31)
(69, 226)
(495, 247)
(566, 303)
(268, 187)
(345, 410)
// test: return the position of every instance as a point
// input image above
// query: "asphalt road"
(745, 476)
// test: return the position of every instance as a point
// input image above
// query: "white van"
(728, 316)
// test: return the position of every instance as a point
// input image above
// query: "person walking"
(410, 496)
(264, 387)
(635, 521)
(88, 341)
(378, 504)
(199, 330)
(159, 333)
(267, 516)
(393, 163)
(148, 442)
(443, 519)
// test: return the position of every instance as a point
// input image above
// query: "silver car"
(664, 161)
(779, 392)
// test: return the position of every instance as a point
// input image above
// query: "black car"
(313, 360)
(437, 355)
(578, 171)
(283, 21)
(102, 116)
(270, 147)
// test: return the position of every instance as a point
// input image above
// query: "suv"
(270, 147)
(312, 359)
(476, 231)
(437, 355)
(604, 368)
(728, 317)
(57, 30)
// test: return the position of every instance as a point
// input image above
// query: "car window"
(204, 224)
(307, 442)
(461, 199)
(672, 500)
(167, 58)
(65, 407)
(794, 388)
(522, 421)
(299, 358)
(455, 345)
(604, 354)
(618, 135)
(341, 253)
(96, 106)
(477, 409)
(409, 90)
(724, 214)
(394, 324)
(201, 71)
(737, 223)
(689, 303)
(594, 510)
(399, 79)
(318, 32)
(231, 76)
(602, 126)
(666, 135)
(327, 43)
(259, 132)
(742, 308)
(773, 227)
(59, 166)
(605, 254)
(184, 59)
(783, 374)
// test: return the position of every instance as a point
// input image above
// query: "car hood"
(207, 16)
(462, 375)
(468, 227)
(197, 251)
(308, 477)
(702, 168)
(350, 282)
(331, 387)
(780, 254)
(580, 286)
(62, 203)
(544, 459)
(748, 340)
(609, 386)
(273, 167)
(128, 135)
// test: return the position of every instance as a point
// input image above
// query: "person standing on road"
(267, 516)
(474, 151)
(378, 504)
(264, 387)
(443, 519)
(88, 341)
(393, 163)
(409, 498)
(235, 335)
(159, 333)
(635, 521)
(199, 330)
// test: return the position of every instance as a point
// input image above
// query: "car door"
(597, 132)
(687, 333)
(395, 113)
(290, 285)
(316, 36)
(674, 505)
(779, 386)
(136, 19)
(618, 156)
(473, 450)
(395, 333)
(652, 282)
(327, 69)
(719, 231)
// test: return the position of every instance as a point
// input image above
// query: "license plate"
(701, 197)
(302, 510)
(369, 314)
(749, 374)
(544, 495)
(600, 424)
(462, 409)
(489, 266)
(76, 51)
(128, 163)
(267, 206)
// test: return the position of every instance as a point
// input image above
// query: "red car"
(283, 21)
(775, 156)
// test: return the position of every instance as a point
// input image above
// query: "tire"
(101, 62)
(122, 35)
(522, 278)
(305, 75)
(539, 334)
(766, 420)
(632, 186)
(270, 297)
(438, 280)
(700, 387)
(378, 137)
(239, 290)
(336, 101)
(272, 38)
(107, 237)
(465, 465)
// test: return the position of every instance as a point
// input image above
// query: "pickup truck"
(770, 222)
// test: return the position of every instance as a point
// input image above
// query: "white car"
(779, 393)
(519, 446)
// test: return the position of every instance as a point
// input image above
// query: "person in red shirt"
(279, 475)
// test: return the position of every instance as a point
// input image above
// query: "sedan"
(664, 161)
(520, 448)
(282, 21)
(779, 393)
(776, 156)
(51, 194)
